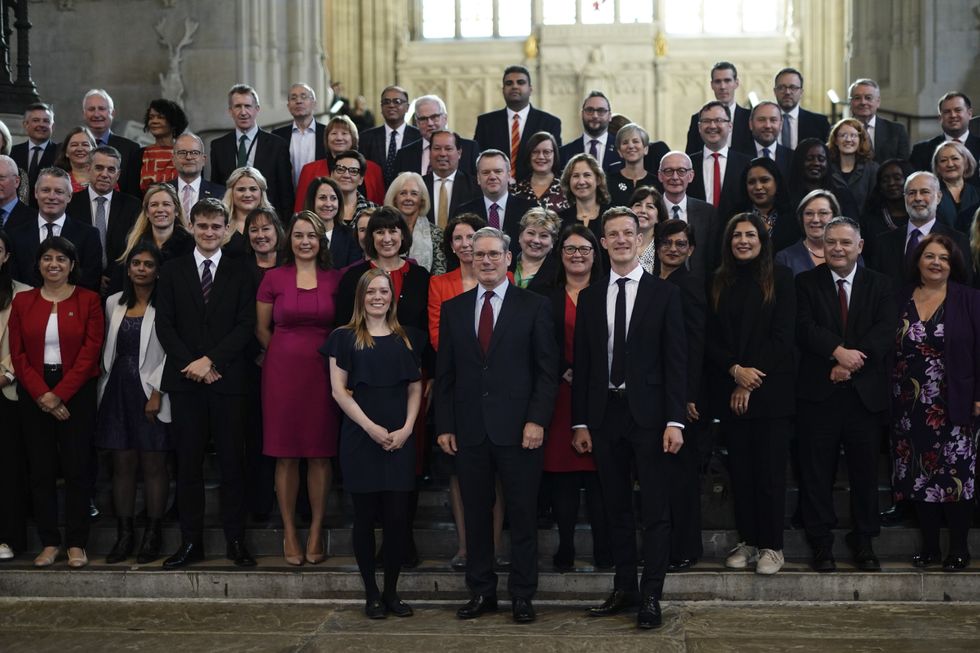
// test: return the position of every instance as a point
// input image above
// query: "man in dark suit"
(53, 191)
(890, 140)
(717, 168)
(112, 213)
(304, 134)
(13, 212)
(189, 160)
(496, 384)
(765, 123)
(495, 204)
(497, 129)
(98, 112)
(955, 113)
(628, 408)
(39, 151)
(798, 123)
(381, 144)
(248, 145)
(205, 321)
(846, 319)
(430, 115)
(975, 126)
(893, 250)
(595, 141)
(448, 186)
(676, 173)
(724, 82)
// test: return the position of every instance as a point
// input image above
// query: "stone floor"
(68, 625)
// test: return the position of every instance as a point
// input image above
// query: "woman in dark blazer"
(766, 194)
(750, 351)
(324, 197)
(56, 333)
(815, 210)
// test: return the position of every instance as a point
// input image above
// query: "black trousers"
(197, 417)
(824, 427)
(565, 499)
(477, 467)
(52, 445)
(619, 447)
(13, 464)
(260, 470)
(757, 450)
(684, 494)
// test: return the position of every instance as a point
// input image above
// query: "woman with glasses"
(347, 172)
(814, 212)
(852, 160)
(544, 184)
(340, 137)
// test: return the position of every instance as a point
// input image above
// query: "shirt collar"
(451, 177)
(849, 278)
(43, 145)
(215, 258)
(499, 290)
(958, 139)
(250, 133)
(92, 195)
(723, 152)
(873, 121)
(794, 112)
(196, 184)
(501, 203)
(635, 274)
(9, 207)
(523, 113)
(601, 138)
(924, 229)
(60, 222)
(309, 128)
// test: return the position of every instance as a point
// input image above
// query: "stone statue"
(171, 84)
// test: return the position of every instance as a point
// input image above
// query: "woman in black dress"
(376, 381)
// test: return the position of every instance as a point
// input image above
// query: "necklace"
(815, 255)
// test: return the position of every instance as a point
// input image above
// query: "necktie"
(914, 238)
(242, 151)
(50, 227)
(3, 217)
(100, 224)
(515, 143)
(35, 165)
(871, 136)
(594, 149)
(766, 153)
(425, 159)
(443, 209)
(842, 298)
(187, 201)
(390, 159)
(786, 133)
(716, 182)
(485, 332)
(676, 210)
(207, 280)
(493, 219)
(617, 370)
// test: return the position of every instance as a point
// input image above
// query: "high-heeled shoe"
(315, 557)
(47, 556)
(295, 560)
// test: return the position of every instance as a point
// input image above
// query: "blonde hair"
(396, 187)
(143, 229)
(358, 322)
(228, 200)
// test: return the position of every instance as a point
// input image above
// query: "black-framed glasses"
(188, 154)
(572, 250)
(714, 121)
(393, 101)
(342, 170)
(494, 255)
(788, 87)
(599, 111)
(670, 172)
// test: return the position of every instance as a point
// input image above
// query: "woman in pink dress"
(300, 419)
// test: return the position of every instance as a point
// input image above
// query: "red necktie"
(485, 332)
(716, 183)
(842, 298)
(515, 143)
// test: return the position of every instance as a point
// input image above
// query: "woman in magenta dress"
(300, 419)
(568, 470)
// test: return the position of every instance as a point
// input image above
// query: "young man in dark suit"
(381, 144)
(38, 151)
(205, 321)
(496, 385)
(628, 409)
(724, 82)
(846, 319)
(715, 124)
(955, 113)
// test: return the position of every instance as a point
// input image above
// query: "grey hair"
(675, 153)
(102, 93)
(843, 221)
(492, 232)
(430, 98)
(864, 81)
(933, 180)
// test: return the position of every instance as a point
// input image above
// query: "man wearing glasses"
(381, 144)
(675, 174)
(724, 83)
(798, 123)
(430, 116)
(717, 167)
(304, 135)
(595, 141)
(189, 160)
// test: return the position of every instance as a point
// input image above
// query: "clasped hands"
(849, 361)
(389, 440)
(51, 404)
(201, 370)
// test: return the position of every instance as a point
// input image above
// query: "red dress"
(559, 456)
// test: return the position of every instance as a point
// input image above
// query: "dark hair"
(712, 105)
(797, 168)
(601, 189)
(761, 266)
(724, 65)
(208, 206)
(62, 246)
(314, 188)
(517, 69)
(614, 212)
(536, 139)
(875, 200)
(784, 71)
(128, 297)
(106, 150)
(6, 280)
(781, 202)
(353, 154)
(951, 96)
(61, 158)
(643, 192)
(957, 266)
(473, 220)
(323, 259)
(273, 220)
(384, 217)
(171, 112)
(671, 227)
(578, 230)
(457, 142)
(593, 94)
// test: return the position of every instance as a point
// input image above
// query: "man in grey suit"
(675, 174)
(889, 139)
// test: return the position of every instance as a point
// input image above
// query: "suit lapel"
(193, 280)
(503, 319)
(640, 305)
(828, 289)
(221, 276)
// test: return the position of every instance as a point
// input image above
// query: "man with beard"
(596, 114)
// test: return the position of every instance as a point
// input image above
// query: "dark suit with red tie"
(731, 194)
(493, 132)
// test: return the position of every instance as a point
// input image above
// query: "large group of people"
(552, 317)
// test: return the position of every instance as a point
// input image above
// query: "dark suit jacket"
(707, 227)
(657, 151)
(731, 193)
(493, 132)
(610, 160)
(975, 125)
(889, 252)
(409, 158)
(741, 134)
(21, 154)
(207, 189)
(891, 140)
(286, 133)
(871, 323)
(20, 214)
(131, 165)
(656, 357)
(921, 157)
(271, 159)
(374, 147)
(464, 190)
(222, 329)
(695, 306)
(516, 208)
(123, 211)
(494, 396)
(813, 125)
(783, 158)
(344, 249)
(26, 239)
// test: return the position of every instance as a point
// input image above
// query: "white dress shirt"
(250, 144)
(600, 145)
(399, 142)
(708, 170)
(501, 207)
(199, 259)
(42, 229)
(848, 282)
(924, 230)
(302, 147)
(521, 121)
(195, 194)
(496, 301)
(681, 209)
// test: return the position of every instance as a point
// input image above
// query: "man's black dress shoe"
(615, 603)
(924, 559)
(188, 553)
(238, 553)
(823, 560)
(864, 555)
(374, 609)
(897, 515)
(956, 562)
(398, 607)
(523, 611)
(649, 615)
(682, 565)
(477, 607)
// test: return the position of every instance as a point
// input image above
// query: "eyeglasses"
(344, 170)
(393, 101)
(433, 118)
(714, 121)
(494, 255)
(599, 111)
(572, 250)
(824, 213)
(680, 245)
(188, 154)
(670, 172)
(788, 87)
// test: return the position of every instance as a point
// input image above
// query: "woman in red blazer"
(341, 136)
(56, 334)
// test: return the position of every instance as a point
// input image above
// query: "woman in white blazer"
(133, 413)
(13, 461)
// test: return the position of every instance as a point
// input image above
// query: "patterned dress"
(935, 461)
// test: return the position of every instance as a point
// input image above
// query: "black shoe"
(563, 563)
(897, 515)
(188, 553)
(477, 607)
(649, 616)
(682, 565)
(924, 559)
(823, 560)
(238, 553)
(523, 611)
(397, 607)
(152, 540)
(956, 562)
(615, 603)
(864, 554)
(374, 609)
(123, 548)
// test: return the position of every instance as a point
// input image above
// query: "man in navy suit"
(189, 160)
(596, 114)
(890, 140)
(12, 211)
(798, 123)
(248, 145)
(98, 112)
(304, 134)
(676, 172)
(430, 115)
(765, 123)
(448, 186)
(381, 144)
(717, 163)
(724, 82)
(495, 130)
(39, 150)
(955, 112)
